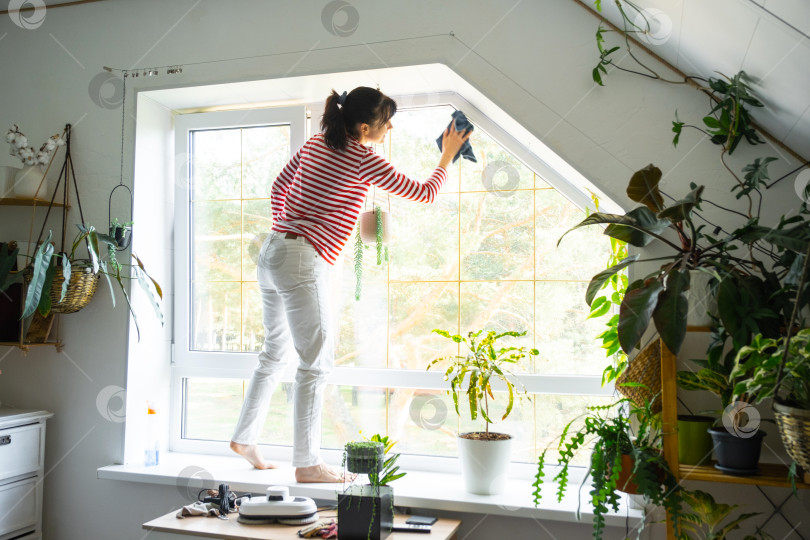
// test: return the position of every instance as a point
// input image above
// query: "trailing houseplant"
(484, 455)
(729, 119)
(371, 227)
(51, 275)
(623, 458)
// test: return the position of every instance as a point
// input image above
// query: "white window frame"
(185, 362)
(241, 365)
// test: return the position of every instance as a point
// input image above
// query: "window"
(483, 255)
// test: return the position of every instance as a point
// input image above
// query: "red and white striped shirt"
(320, 192)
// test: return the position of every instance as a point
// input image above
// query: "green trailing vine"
(379, 233)
(614, 289)
(358, 264)
(730, 99)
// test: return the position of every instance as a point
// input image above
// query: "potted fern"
(484, 455)
(624, 459)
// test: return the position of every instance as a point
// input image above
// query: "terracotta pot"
(368, 227)
(625, 482)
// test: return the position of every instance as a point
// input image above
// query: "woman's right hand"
(452, 142)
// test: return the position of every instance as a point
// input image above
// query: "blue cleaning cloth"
(462, 124)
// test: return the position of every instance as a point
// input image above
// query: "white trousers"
(294, 282)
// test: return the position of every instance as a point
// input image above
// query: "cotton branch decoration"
(20, 148)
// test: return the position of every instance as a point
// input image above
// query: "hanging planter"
(82, 285)
(372, 228)
(121, 232)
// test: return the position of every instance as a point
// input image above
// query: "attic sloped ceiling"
(768, 39)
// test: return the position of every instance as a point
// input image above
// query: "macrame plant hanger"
(126, 239)
(65, 175)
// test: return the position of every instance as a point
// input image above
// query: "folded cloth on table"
(330, 531)
(462, 124)
(318, 528)
(198, 509)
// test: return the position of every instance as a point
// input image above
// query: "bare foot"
(321, 474)
(251, 453)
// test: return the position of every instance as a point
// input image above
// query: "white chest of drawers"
(22, 464)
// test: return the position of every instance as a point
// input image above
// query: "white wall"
(538, 60)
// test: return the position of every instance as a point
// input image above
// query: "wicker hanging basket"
(794, 427)
(644, 368)
(81, 288)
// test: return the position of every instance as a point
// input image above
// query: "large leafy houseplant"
(755, 267)
(100, 260)
(626, 456)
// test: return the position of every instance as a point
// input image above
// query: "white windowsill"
(430, 490)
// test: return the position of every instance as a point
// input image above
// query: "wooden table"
(209, 527)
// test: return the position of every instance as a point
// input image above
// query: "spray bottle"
(152, 440)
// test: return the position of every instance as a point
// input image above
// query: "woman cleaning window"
(316, 201)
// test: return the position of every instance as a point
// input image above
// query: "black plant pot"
(738, 456)
(365, 513)
(365, 459)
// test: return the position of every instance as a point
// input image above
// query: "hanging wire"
(126, 239)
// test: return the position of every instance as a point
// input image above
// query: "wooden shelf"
(698, 328)
(18, 201)
(771, 474)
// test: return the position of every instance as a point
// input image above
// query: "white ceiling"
(768, 39)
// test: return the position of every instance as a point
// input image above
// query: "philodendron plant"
(101, 259)
(755, 268)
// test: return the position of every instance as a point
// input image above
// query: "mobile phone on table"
(421, 520)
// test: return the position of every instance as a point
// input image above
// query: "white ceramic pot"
(484, 464)
(701, 300)
(368, 227)
(27, 183)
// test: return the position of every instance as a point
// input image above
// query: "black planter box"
(361, 506)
